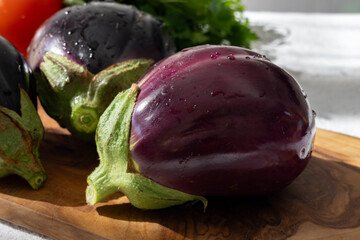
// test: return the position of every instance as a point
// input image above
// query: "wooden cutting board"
(322, 203)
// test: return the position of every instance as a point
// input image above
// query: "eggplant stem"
(85, 119)
(37, 180)
(99, 185)
(106, 177)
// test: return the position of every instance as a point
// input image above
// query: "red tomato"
(19, 19)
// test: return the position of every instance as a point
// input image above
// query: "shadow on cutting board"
(325, 194)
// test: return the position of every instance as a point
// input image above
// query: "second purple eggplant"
(209, 120)
(84, 55)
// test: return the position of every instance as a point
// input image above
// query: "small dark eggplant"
(84, 55)
(207, 121)
(21, 131)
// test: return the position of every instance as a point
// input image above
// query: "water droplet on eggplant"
(303, 152)
(314, 113)
(213, 56)
(287, 113)
(304, 93)
(215, 93)
(231, 57)
(259, 56)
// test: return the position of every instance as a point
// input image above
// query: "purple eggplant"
(207, 121)
(14, 72)
(21, 131)
(84, 55)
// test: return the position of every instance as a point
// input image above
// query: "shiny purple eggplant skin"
(14, 73)
(100, 34)
(221, 120)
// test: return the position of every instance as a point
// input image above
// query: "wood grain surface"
(322, 203)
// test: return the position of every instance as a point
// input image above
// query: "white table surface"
(322, 51)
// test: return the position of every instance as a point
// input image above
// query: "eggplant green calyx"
(112, 175)
(20, 139)
(75, 97)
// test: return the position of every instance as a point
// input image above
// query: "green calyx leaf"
(112, 175)
(20, 139)
(108, 83)
(75, 97)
